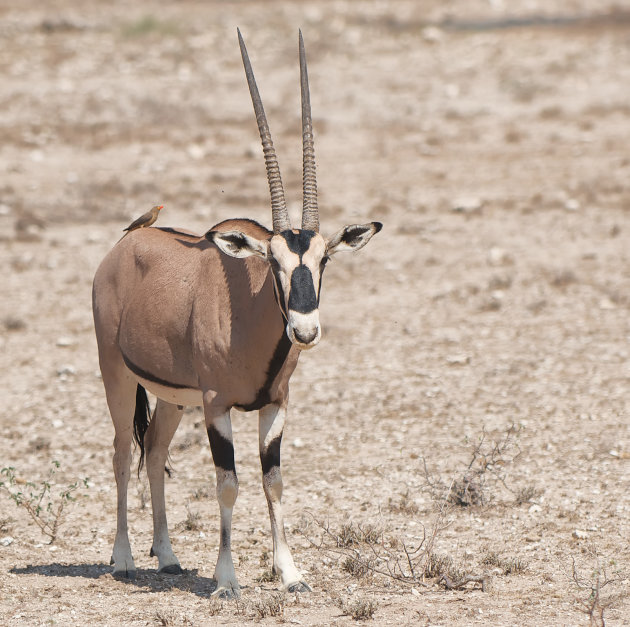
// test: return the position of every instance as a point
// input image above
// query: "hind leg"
(120, 390)
(161, 429)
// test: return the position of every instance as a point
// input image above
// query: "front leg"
(270, 427)
(219, 428)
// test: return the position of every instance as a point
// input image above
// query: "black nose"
(305, 339)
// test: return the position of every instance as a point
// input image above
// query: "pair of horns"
(310, 213)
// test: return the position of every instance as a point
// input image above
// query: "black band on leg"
(270, 457)
(222, 450)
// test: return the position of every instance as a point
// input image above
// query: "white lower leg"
(157, 439)
(283, 563)
(161, 547)
(271, 425)
(122, 558)
(224, 573)
(220, 437)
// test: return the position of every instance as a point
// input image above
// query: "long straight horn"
(279, 211)
(310, 213)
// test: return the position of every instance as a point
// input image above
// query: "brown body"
(179, 351)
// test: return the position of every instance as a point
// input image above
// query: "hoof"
(227, 593)
(299, 586)
(171, 569)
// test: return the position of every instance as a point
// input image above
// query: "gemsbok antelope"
(217, 320)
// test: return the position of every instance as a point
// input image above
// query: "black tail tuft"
(141, 421)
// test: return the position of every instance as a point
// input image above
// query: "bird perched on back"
(146, 219)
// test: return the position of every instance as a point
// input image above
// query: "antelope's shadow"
(146, 580)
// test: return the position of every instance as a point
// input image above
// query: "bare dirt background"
(495, 150)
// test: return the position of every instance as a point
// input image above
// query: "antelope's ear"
(352, 237)
(237, 244)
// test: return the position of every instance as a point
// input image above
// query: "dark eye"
(324, 261)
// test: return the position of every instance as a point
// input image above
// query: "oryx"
(217, 320)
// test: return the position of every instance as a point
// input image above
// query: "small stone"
(298, 443)
(65, 341)
(458, 360)
(572, 204)
(452, 90)
(499, 257)
(468, 205)
(195, 151)
(415, 592)
(432, 34)
(66, 370)
(579, 534)
(534, 509)
(6, 540)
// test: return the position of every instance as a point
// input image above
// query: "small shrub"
(193, 521)
(526, 494)
(509, 566)
(201, 493)
(37, 499)
(271, 605)
(404, 505)
(439, 565)
(267, 576)
(357, 567)
(362, 609)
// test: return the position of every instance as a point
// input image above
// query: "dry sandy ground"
(495, 301)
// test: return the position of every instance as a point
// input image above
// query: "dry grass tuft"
(404, 505)
(508, 566)
(361, 609)
(269, 605)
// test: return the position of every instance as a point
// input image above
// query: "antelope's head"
(297, 256)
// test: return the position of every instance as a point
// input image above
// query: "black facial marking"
(279, 294)
(150, 377)
(222, 450)
(302, 297)
(263, 397)
(270, 457)
(322, 266)
(299, 242)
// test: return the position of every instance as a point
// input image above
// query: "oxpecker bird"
(146, 219)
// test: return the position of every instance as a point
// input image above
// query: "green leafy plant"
(38, 500)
